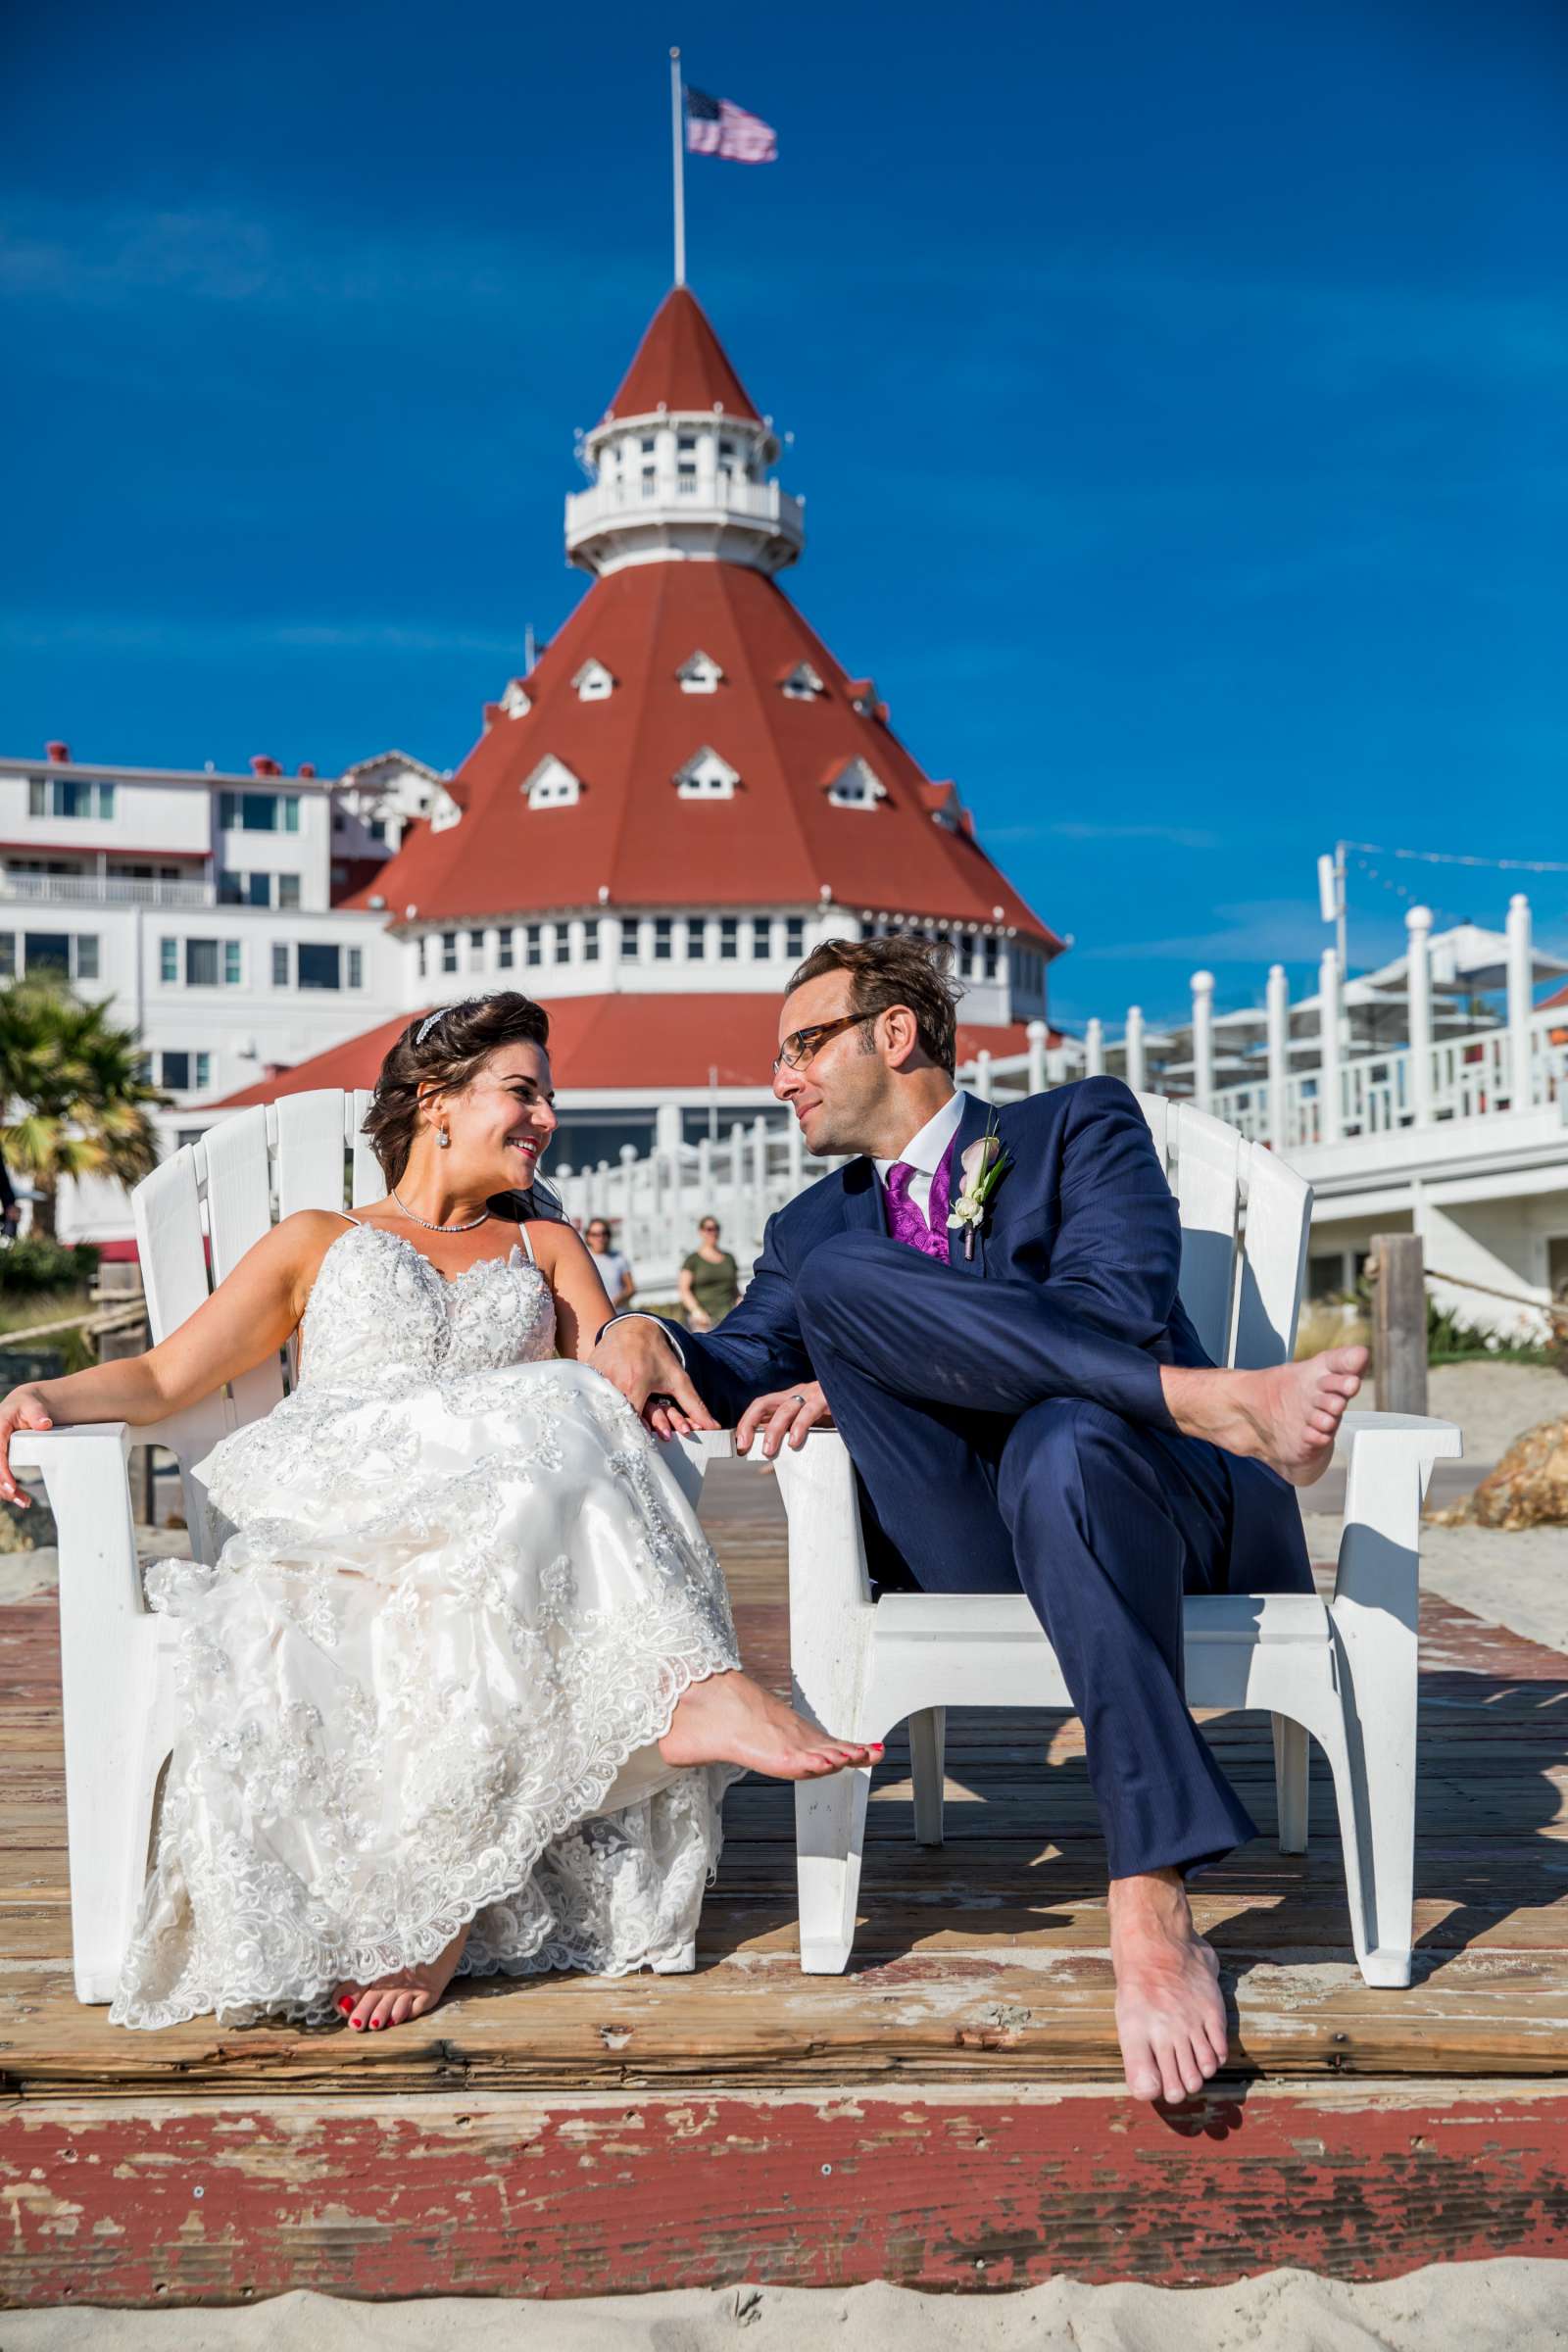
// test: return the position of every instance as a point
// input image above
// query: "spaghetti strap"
(343, 1212)
(527, 1242)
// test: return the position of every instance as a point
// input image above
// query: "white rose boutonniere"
(982, 1166)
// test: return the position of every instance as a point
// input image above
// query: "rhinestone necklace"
(480, 1219)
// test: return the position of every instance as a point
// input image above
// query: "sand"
(1460, 2307)
(1492, 1404)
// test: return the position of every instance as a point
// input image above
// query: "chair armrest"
(85, 1477)
(1391, 1459)
(63, 1450)
(708, 1444)
(1435, 1441)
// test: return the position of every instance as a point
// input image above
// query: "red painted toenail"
(358, 2024)
(376, 2025)
(345, 2005)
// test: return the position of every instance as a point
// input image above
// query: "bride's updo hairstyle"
(443, 1051)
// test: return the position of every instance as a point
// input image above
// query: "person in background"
(709, 1280)
(613, 1271)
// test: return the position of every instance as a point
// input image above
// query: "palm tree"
(73, 1096)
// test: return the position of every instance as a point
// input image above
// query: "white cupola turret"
(679, 461)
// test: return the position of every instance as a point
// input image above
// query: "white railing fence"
(654, 1202)
(1468, 1078)
(103, 889)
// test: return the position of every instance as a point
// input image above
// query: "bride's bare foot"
(1288, 1416)
(408, 1992)
(1170, 2014)
(729, 1719)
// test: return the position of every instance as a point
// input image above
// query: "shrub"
(37, 1263)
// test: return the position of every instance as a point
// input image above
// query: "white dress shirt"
(924, 1152)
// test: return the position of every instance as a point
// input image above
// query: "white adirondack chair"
(1344, 1671)
(861, 1667)
(196, 1216)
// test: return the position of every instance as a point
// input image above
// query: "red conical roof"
(681, 364)
(632, 841)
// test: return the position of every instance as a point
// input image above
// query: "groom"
(1037, 1412)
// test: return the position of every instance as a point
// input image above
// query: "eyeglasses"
(804, 1045)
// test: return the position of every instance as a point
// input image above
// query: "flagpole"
(678, 160)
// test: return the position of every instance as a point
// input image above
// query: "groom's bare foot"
(729, 1719)
(1288, 1416)
(1170, 2015)
(406, 1993)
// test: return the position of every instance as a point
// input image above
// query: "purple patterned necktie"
(904, 1221)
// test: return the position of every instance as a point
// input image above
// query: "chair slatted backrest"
(200, 1211)
(1245, 1219)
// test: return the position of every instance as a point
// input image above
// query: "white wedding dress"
(423, 1684)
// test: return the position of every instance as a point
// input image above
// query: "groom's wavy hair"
(895, 970)
(444, 1050)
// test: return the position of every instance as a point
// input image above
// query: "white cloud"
(1180, 837)
(221, 639)
(1256, 931)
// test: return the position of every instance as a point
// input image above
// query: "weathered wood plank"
(210, 2203)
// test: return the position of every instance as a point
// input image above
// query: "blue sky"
(1178, 395)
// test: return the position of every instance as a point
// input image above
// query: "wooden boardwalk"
(949, 2113)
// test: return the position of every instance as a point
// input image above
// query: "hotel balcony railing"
(1470, 1078)
(103, 889)
(732, 501)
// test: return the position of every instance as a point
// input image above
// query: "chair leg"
(1374, 1786)
(928, 1733)
(1291, 1784)
(829, 1838)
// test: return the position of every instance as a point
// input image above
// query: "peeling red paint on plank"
(214, 2204)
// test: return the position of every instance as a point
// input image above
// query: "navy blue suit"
(1007, 1420)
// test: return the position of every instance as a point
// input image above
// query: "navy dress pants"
(1005, 1443)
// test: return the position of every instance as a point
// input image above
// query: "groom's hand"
(636, 1359)
(788, 1413)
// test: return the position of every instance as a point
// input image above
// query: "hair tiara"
(429, 1022)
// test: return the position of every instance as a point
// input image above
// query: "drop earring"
(443, 1139)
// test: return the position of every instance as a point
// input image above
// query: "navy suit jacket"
(1084, 1211)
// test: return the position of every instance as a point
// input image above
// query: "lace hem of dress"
(261, 1993)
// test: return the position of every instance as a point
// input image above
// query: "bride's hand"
(637, 1359)
(788, 1413)
(24, 1409)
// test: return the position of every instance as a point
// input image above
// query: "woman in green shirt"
(709, 1280)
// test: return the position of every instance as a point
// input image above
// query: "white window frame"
(553, 785)
(594, 683)
(700, 673)
(707, 776)
(856, 785)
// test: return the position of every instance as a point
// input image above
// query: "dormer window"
(553, 785)
(802, 685)
(594, 682)
(516, 700)
(856, 787)
(863, 697)
(444, 811)
(707, 777)
(700, 673)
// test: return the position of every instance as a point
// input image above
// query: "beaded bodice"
(378, 1305)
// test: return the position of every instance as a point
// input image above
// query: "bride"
(461, 1692)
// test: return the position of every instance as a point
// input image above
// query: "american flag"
(713, 126)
